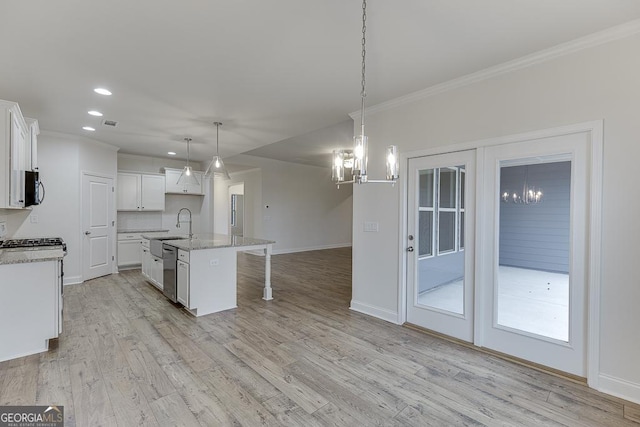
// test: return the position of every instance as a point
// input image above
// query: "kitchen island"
(207, 269)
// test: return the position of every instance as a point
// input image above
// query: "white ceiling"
(269, 70)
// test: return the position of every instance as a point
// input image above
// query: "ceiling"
(272, 71)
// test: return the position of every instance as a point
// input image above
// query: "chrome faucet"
(178, 222)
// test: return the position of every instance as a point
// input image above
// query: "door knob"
(87, 233)
(410, 249)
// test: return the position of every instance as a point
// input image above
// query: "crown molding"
(592, 40)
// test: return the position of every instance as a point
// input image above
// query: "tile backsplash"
(139, 220)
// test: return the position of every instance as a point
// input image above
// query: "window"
(441, 224)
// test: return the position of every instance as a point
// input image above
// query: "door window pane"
(448, 178)
(461, 230)
(446, 232)
(425, 242)
(426, 188)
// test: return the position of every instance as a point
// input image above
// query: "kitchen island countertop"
(215, 241)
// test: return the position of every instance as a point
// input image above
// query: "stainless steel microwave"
(33, 189)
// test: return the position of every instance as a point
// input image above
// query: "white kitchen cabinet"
(183, 283)
(157, 272)
(129, 253)
(140, 192)
(172, 186)
(13, 139)
(31, 149)
(152, 266)
(145, 258)
(30, 307)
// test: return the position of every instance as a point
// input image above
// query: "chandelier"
(356, 159)
(529, 194)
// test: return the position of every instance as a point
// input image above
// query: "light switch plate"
(371, 226)
(3, 229)
(33, 218)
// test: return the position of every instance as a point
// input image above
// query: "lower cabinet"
(152, 267)
(30, 307)
(183, 283)
(129, 253)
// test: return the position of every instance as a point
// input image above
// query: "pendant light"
(216, 167)
(360, 153)
(187, 176)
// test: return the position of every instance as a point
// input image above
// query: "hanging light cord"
(188, 141)
(218, 124)
(363, 93)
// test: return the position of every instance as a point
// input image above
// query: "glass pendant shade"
(360, 158)
(187, 177)
(337, 170)
(392, 162)
(216, 167)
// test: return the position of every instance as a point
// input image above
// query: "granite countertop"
(144, 231)
(213, 241)
(164, 234)
(22, 255)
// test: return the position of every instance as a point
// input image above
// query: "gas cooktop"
(41, 242)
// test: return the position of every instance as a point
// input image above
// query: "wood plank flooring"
(129, 357)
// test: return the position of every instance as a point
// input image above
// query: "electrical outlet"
(33, 218)
(3, 229)
(214, 262)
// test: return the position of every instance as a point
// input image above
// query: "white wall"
(596, 83)
(305, 209)
(252, 183)
(61, 160)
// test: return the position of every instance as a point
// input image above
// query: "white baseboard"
(380, 313)
(72, 280)
(620, 388)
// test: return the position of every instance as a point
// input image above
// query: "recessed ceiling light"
(171, 153)
(89, 128)
(95, 113)
(102, 91)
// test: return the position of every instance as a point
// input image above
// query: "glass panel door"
(533, 233)
(440, 291)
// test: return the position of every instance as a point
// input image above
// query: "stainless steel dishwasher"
(169, 262)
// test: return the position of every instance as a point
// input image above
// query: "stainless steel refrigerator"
(237, 214)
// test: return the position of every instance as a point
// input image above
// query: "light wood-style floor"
(129, 357)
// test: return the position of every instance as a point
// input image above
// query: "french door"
(441, 243)
(533, 246)
(510, 276)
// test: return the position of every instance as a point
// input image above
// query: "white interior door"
(440, 241)
(97, 225)
(532, 249)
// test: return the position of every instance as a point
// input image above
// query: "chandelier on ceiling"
(356, 159)
(529, 194)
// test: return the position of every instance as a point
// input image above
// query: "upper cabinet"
(31, 149)
(13, 155)
(172, 186)
(140, 192)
